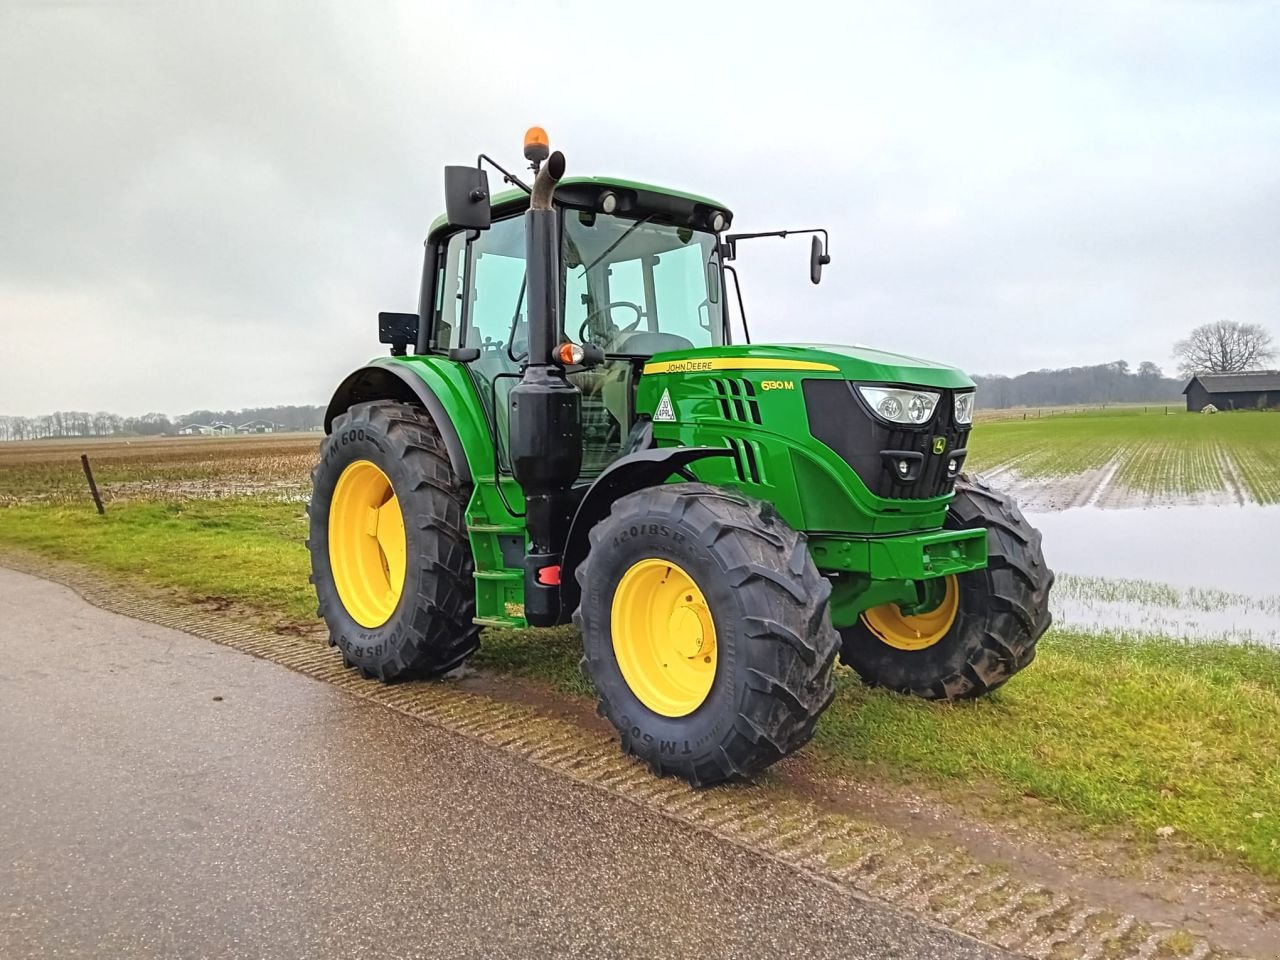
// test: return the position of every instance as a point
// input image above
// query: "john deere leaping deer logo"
(939, 445)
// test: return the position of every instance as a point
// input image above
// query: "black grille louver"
(737, 399)
(875, 449)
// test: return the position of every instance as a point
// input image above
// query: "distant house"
(196, 430)
(1250, 390)
(222, 429)
(256, 426)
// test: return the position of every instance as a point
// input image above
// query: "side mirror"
(817, 259)
(466, 197)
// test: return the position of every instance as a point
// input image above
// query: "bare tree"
(1224, 347)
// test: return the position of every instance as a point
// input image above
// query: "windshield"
(637, 287)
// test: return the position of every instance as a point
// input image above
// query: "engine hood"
(849, 362)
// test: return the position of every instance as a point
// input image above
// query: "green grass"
(1131, 734)
(249, 551)
(1115, 732)
(1179, 453)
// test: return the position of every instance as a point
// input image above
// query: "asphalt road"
(161, 796)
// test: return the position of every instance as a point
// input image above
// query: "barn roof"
(1245, 382)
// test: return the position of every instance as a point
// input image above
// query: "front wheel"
(705, 631)
(977, 629)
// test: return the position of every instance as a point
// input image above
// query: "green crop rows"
(1237, 454)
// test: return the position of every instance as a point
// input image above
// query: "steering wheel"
(607, 310)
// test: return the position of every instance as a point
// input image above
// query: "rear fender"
(388, 379)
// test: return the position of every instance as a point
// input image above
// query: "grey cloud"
(209, 202)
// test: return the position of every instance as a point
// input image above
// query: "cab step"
(499, 529)
(505, 623)
(506, 573)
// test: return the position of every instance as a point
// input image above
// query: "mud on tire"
(431, 630)
(1004, 610)
(775, 642)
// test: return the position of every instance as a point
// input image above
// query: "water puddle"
(1100, 487)
(1196, 571)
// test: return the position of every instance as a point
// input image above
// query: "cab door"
(482, 307)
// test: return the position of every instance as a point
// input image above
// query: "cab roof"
(581, 191)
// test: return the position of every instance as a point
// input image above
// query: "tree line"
(79, 423)
(1222, 346)
(1101, 383)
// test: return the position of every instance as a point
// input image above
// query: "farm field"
(48, 471)
(1127, 457)
(1145, 709)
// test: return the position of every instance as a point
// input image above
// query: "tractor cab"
(643, 278)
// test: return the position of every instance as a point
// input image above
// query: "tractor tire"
(398, 602)
(1001, 611)
(712, 607)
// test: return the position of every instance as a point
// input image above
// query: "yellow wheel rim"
(367, 545)
(917, 631)
(664, 638)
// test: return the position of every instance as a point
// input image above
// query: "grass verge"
(1136, 734)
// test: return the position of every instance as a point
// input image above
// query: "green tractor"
(566, 431)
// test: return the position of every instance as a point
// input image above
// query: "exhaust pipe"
(544, 422)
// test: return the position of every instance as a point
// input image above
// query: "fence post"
(93, 487)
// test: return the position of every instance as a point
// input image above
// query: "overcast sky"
(205, 204)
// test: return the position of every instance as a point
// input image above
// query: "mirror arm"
(731, 239)
(507, 176)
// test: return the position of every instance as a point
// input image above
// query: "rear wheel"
(975, 630)
(705, 631)
(390, 558)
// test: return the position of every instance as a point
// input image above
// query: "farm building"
(256, 426)
(196, 429)
(222, 429)
(1249, 390)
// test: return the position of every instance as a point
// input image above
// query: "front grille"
(873, 448)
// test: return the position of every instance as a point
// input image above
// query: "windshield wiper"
(515, 322)
(613, 246)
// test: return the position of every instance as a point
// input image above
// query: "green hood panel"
(845, 362)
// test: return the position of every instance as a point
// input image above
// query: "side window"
(482, 316)
(449, 293)
(497, 285)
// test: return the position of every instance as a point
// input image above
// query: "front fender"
(635, 471)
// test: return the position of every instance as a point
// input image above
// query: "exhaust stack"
(544, 423)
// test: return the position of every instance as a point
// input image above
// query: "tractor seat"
(646, 343)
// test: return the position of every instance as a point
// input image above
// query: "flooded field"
(1197, 571)
(1134, 460)
(1157, 524)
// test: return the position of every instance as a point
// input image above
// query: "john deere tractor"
(568, 430)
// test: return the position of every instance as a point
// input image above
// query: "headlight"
(900, 406)
(964, 407)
